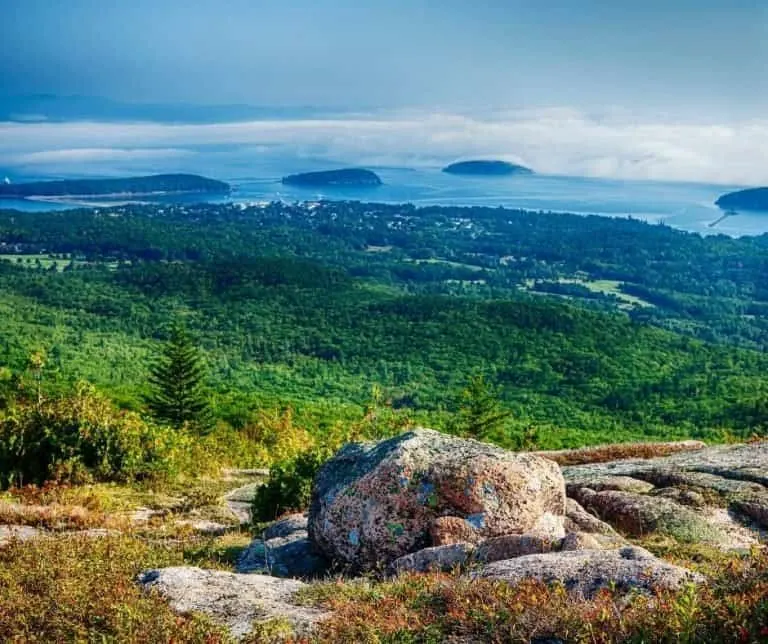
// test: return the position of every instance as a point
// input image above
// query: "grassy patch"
(75, 589)
(444, 608)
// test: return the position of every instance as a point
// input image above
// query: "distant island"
(486, 168)
(132, 186)
(752, 199)
(345, 177)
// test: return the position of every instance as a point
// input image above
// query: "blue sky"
(642, 85)
(683, 58)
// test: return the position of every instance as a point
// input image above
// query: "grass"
(444, 608)
(77, 589)
(606, 287)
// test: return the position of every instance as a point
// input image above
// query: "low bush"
(83, 437)
(289, 486)
(444, 608)
(76, 589)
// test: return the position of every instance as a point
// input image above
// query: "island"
(347, 177)
(486, 168)
(158, 184)
(751, 199)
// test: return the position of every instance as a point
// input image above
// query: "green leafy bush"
(289, 486)
(83, 437)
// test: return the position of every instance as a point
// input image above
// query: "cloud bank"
(552, 141)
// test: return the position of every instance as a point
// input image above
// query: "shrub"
(83, 437)
(289, 486)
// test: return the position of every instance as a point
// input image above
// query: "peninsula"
(344, 177)
(751, 199)
(486, 168)
(159, 184)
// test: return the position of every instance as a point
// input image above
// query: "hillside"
(295, 309)
(486, 168)
(132, 186)
(345, 177)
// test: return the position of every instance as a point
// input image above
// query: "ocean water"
(687, 206)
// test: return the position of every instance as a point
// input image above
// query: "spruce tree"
(480, 411)
(178, 395)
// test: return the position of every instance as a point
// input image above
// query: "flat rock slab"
(683, 492)
(233, 600)
(586, 572)
(204, 527)
(747, 461)
(240, 500)
(10, 533)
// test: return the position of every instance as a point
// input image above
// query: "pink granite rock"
(375, 502)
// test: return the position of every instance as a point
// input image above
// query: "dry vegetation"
(606, 453)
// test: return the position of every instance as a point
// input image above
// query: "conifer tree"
(480, 411)
(178, 395)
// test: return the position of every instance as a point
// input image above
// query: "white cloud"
(97, 155)
(553, 141)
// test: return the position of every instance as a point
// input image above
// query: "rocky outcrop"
(586, 572)
(716, 495)
(373, 503)
(235, 601)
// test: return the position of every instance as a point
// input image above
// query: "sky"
(671, 88)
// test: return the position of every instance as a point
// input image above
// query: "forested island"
(166, 184)
(343, 177)
(751, 199)
(492, 168)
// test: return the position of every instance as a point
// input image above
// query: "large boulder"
(587, 571)
(375, 502)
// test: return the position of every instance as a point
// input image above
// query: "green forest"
(588, 329)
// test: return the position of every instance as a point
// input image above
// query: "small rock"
(210, 528)
(586, 572)
(235, 601)
(143, 515)
(579, 541)
(239, 501)
(286, 526)
(438, 558)
(753, 506)
(292, 556)
(684, 496)
(514, 545)
(449, 530)
(577, 519)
